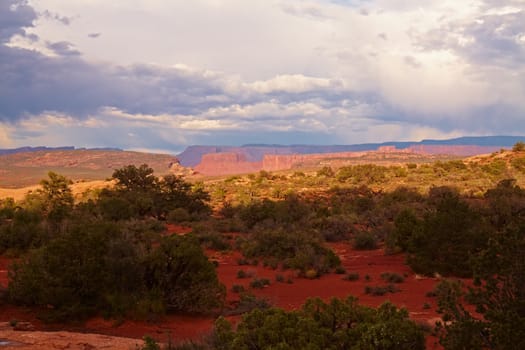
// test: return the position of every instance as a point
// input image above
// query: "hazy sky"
(161, 74)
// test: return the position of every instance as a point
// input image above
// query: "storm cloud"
(314, 71)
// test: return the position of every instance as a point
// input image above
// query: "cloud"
(15, 16)
(34, 83)
(56, 17)
(309, 10)
(63, 48)
(294, 84)
(489, 39)
(294, 71)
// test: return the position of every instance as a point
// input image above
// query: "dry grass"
(80, 190)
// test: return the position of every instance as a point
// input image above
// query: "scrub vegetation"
(110, 253)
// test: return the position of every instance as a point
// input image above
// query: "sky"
(159, 75)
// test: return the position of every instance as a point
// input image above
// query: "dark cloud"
(494, 39)
(15, 15)
(490, 4)
(33, 83)
(56, 17)
(63, 48)
(498, 39)
(295, 108)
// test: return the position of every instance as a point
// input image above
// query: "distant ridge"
(192, 155)
(44, 148)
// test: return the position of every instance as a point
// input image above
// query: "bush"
(351, 277)
(297, 249)
(392, 277)
(242, 274)
(186, 278)
(149, 344)
(66, 273)
(237, 288)
(178, 215)
(325, 171)
(248, 302)
(381, 290)
(518, 164)
(333, 228)
(311, 274)
(259, 283)
(320, 325)
(365, 241)
(340, 270)
(242, 261)
(518, 146)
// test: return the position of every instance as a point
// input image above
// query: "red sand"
(288, 296)
(4, 265)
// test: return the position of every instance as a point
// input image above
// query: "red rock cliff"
(226, 163)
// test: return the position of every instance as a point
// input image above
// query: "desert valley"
(262, 175)
(275, 242)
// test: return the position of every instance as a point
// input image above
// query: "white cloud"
(294, 84)
(173, 72)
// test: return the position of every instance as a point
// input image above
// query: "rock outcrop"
(240, 160)
(226, 163)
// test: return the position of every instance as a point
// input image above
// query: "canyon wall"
(226, 163)
(239, 161)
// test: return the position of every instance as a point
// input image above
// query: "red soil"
(4, 265)
(288, 296)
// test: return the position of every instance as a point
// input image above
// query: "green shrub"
(237, 288)
(297, 249)
(92, 267)
(242, 261)
(242, 274)
(392, 277)
(518, 164)
(248, 302)
(340, 270)
(518, 146)
(381, 290)
(354, 276)
(259, 283)
(178, 215)
(320, 325)
(365, 241)
(149, 344)
(325, 171)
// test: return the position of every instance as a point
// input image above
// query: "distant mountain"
(28, 167)
(466, 146)
(44, 148)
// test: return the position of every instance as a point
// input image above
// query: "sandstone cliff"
(226, 163)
